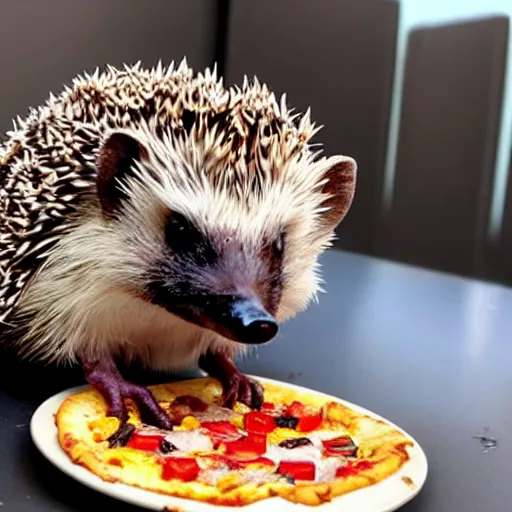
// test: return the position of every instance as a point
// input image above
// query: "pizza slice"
(305, 448)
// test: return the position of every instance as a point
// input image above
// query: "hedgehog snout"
(239, 309)
(250, 323)
(240, 318)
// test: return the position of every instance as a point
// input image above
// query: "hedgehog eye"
(178, 223)
(279, 245)
(185, 239)
(178, 232)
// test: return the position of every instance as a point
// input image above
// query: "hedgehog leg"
(104, 376)
(236, 386)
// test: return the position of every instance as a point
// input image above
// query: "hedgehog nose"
(255, 325)
(260, 330)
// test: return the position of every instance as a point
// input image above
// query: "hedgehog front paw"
(241, 388)
(236, 386)
(105, 377)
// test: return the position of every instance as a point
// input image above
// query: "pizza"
(304, 447)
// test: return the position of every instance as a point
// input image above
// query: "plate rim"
(52, 451)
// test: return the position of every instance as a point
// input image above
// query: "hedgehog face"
(234, 261)
(215, 280)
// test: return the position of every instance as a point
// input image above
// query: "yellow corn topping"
(103, 428)
(228, 482)
(189, 423)
(238, 421)
(241, 408)
(280, 434)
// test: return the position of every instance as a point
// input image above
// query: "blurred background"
(418, 91)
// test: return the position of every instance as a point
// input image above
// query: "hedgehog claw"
(121, 436)
(105, 377)
(242, 389)
(236, 386)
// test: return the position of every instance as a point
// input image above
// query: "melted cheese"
(326, 468)
(261, 476)
(278, 453)
(221, 476)
(323, 435)
(212, 476)
(189, 441)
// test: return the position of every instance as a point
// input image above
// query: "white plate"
(387, 496)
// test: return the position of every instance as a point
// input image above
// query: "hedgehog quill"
(156, 215)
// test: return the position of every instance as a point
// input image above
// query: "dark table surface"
(430, 352)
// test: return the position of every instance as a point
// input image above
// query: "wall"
(416, 13)
(45, 44)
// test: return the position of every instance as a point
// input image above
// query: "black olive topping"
(166, 446)
(287, 422)
(289, 479)
(295, 442)
(122, 436)
(286, 477)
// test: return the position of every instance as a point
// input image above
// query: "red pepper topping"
(268, 408)
(249, 447)
(295, 409)
(342, 445)
(352, 468)
(259, 422)
(147, 442)
(221, 430)
(345, 471)
(309, 423)
(362, 465)
(298, 470)
(184, 469)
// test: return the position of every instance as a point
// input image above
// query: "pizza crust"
(83, 429)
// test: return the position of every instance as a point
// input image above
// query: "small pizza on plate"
(304, 447)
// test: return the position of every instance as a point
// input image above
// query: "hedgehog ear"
(116, 157)
(340, 186)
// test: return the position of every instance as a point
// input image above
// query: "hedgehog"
(157, 216)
